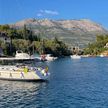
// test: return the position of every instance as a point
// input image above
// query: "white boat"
(22, 68)
(75, 57)
(21, 55)
(25, 56)
(49, 57)
(101, 55)
(84, 55)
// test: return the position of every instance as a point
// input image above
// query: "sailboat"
(22, 68)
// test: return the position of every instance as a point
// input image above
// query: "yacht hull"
(22, 76)
(24, 80)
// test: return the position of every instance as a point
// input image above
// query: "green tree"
(4, 27)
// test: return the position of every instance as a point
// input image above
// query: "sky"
(12, 11)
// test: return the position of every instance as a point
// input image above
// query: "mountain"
(73, 32)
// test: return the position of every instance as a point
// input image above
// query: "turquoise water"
(73, 84)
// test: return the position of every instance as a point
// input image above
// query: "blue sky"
(12, 11)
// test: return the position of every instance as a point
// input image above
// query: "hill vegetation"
(54, 36)
(24, 39)
(73, 32)
(98, 47)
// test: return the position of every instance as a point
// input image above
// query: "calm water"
(73, 84)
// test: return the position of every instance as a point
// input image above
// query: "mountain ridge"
(73, 32)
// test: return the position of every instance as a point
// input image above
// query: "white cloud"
(47, 12)
(39, 14)
(51, 12)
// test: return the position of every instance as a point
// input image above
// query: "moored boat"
(101, 55)
(21, 55)
(75, 57)
(49, 57)
(22, 68)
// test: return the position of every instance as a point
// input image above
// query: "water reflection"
(72, 84)
(14, 93)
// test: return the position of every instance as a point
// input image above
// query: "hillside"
(73, 32)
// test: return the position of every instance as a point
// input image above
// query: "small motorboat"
(101, 55)
(75, 57)
(49, 57)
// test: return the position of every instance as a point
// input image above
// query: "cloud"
(47, 13)
(51, 12)
(39, 14)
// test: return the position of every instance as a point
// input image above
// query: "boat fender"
(26, 69)
(46, 69)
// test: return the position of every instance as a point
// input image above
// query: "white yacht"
(49, 57)
(22, 68)
(101, 55)
(21, 55)
(75, 57)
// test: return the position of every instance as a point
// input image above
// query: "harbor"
(53, 54)
(74, 83)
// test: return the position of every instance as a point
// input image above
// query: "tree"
(4, 27)
(98, 46)
(25, 32)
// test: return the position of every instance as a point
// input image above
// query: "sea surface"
(79, 83)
